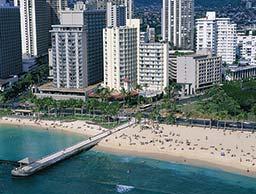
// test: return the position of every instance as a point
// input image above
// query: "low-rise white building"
(173, 54)
(241, 72)
(198, 72)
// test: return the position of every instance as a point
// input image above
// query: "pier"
(35, 166)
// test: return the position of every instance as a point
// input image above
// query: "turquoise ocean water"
(101, 173)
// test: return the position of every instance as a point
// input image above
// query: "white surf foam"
(123, 188)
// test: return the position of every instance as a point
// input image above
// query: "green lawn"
(244, 92)
(233, 101)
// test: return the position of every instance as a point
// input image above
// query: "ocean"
(96, 172)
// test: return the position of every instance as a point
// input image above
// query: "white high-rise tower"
(54, 9)
(116, 15)
(102, 4)
(77, 48)
(121, 55)
(178, 23)
(217, 35)
(34, 27)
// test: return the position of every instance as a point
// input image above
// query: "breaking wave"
(123, 188)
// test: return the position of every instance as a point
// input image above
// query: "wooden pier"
(32, 168)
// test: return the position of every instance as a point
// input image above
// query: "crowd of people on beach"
(169, 140)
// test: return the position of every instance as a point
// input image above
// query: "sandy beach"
(230, 151)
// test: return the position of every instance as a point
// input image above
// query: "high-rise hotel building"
(178, 23)
(153, 73)
(121, 55)
(116, 15)
(77, 48)
(102, 4)
(54, 10)
(218, 35)
(129, 7)
(10, 41)
(34, 27)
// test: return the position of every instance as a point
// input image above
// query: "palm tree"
(103, 106)
(124, 93)
(2, 98)
(103, 93)
(154, 115)
(62, 105)
(172, 89)
(145, 86)
(39, 104)
(50, 104)
(76, 104)
(188, 115)
(222, 116)
(55, 107)
(203, 111)
(71, 103)
(254, 110)
(138, 88)
(129, 98)
(170, 119)
(91, 105)
(138, 117)
(242, 117)
(114, 109)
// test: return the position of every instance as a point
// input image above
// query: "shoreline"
(176, 160)
(117, 145)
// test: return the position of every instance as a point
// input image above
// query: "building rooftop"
(193, 55)
(49, 87)
(241, 68)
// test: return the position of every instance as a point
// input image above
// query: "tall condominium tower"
(129, 6)
(149, 35)
(206, 37)
(116, 15)
(77, 48)
(54, 9)
(227, 40)
(121, 55)
(95, 21)
(10, 42)
(217, 35)
(34, 27)
(102, 4)
(178, 23)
